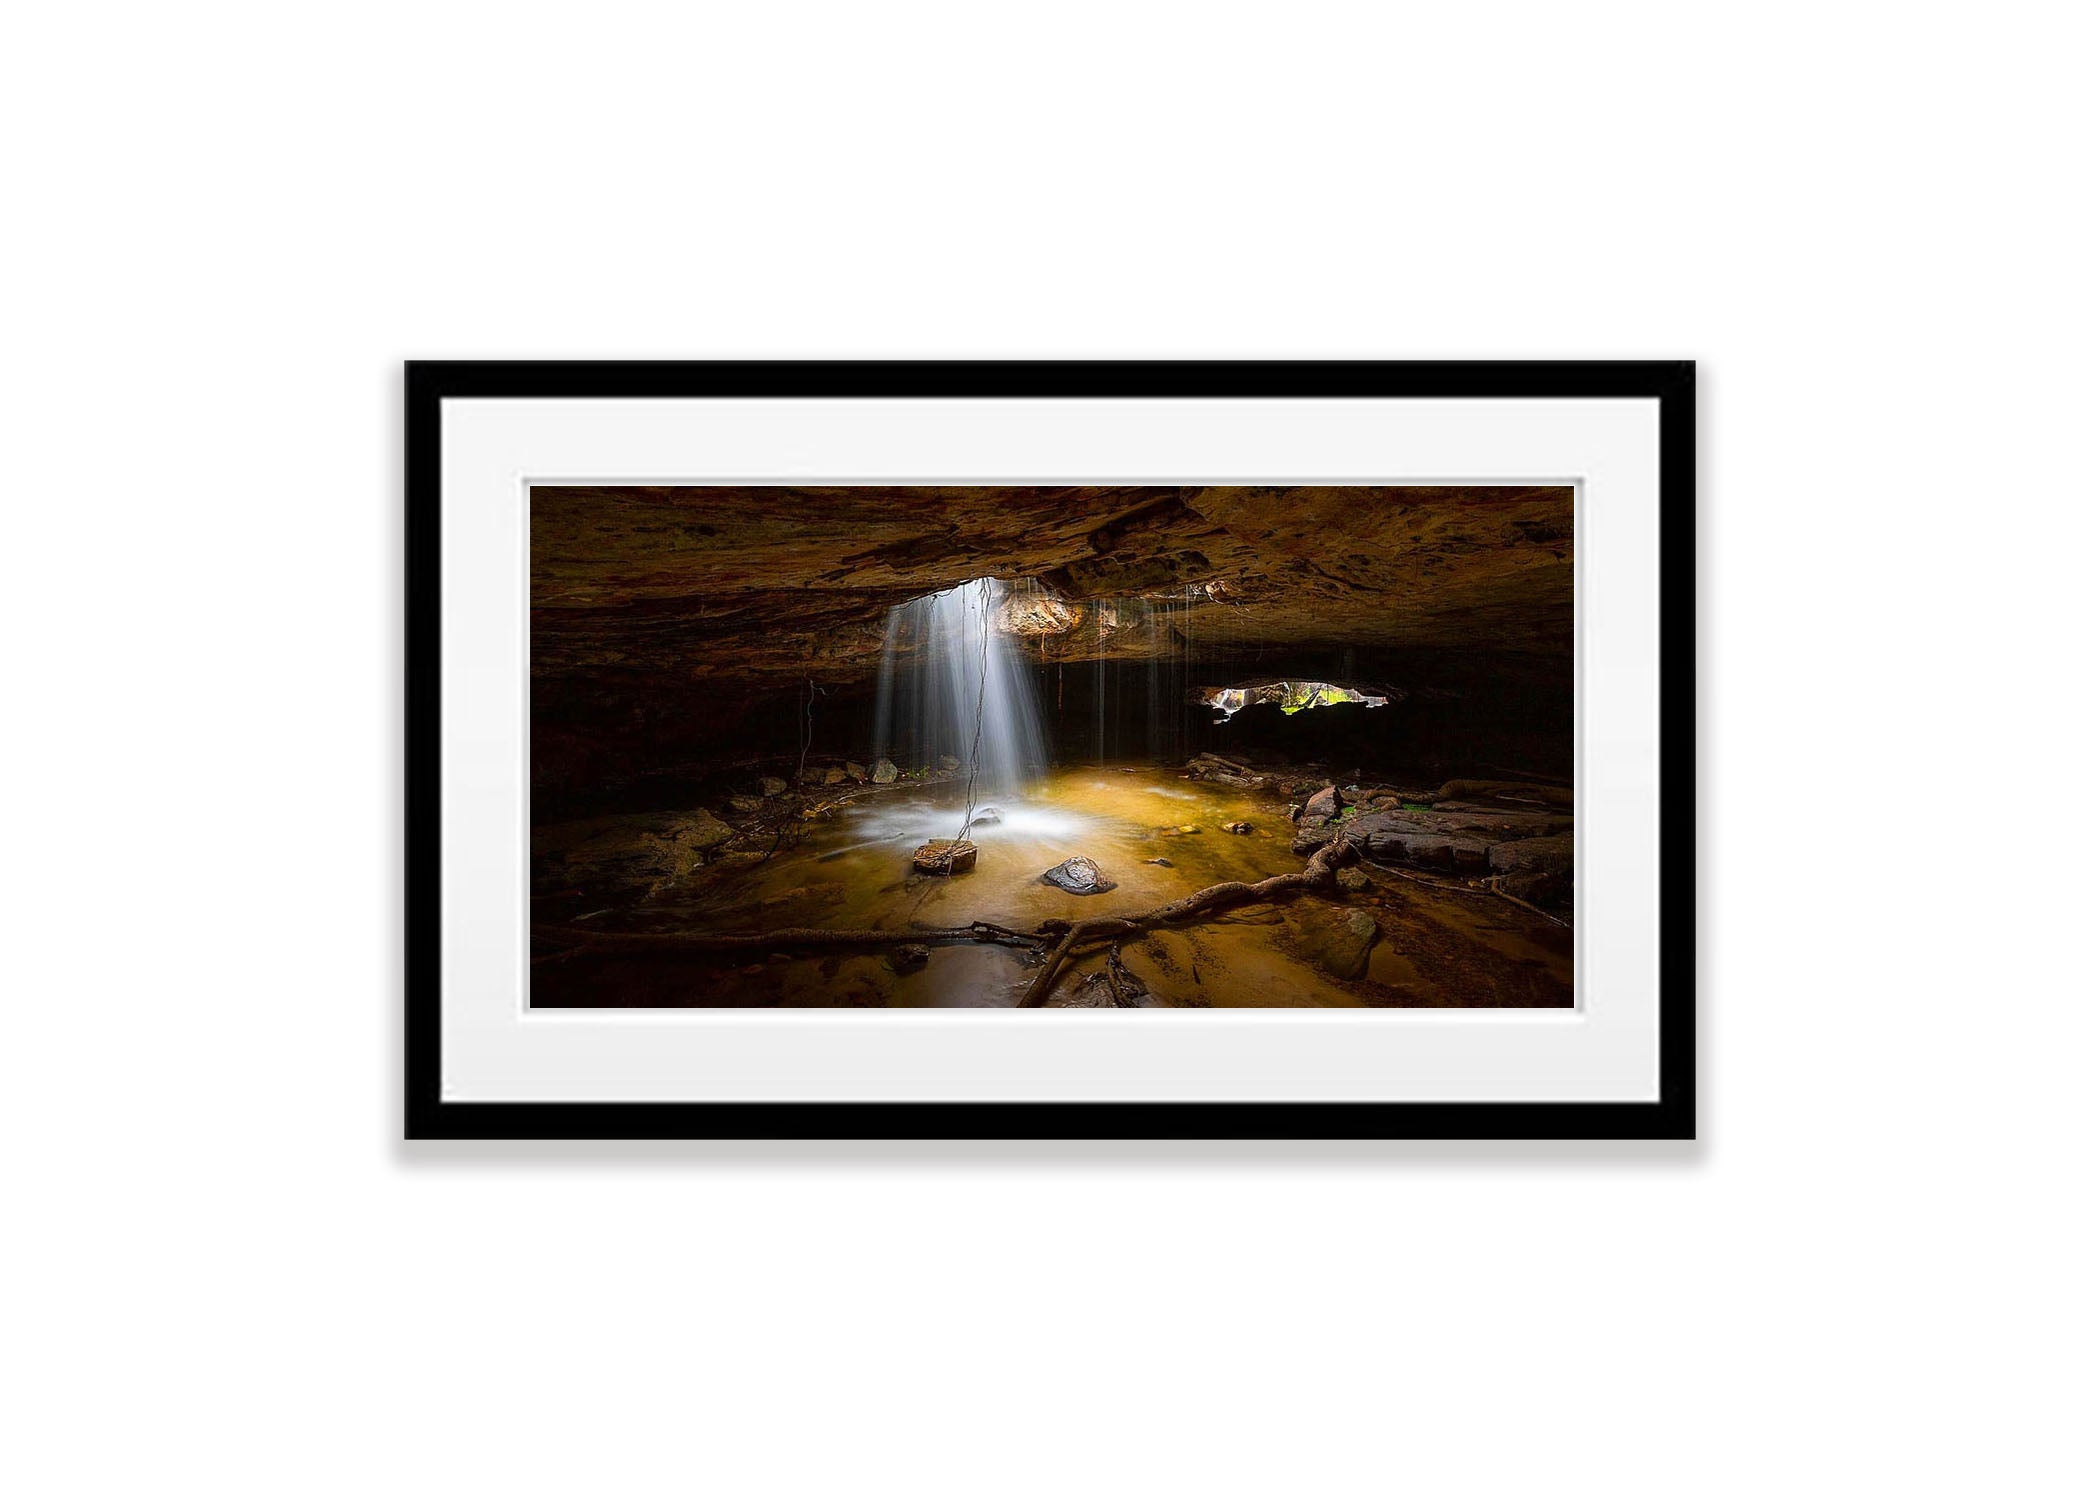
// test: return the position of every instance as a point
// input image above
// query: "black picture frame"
(1671, 1116)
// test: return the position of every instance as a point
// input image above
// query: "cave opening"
(922, 751)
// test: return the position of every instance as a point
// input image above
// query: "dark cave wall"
(603, 741)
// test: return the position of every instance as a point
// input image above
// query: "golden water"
(853, 870)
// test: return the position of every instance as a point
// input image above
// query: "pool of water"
(1157, 835)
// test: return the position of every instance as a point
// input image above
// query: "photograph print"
(1104, 746)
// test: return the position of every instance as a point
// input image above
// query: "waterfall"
(941, 655)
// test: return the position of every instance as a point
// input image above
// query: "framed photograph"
(1132, 750)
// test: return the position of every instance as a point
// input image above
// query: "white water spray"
(952, 679)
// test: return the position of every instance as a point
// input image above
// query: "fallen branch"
(785, 937)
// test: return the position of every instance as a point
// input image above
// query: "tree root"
(575, 941)
(1127, 988)
(1318, 875)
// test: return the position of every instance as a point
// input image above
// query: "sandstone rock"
(771, 786)
(1079, 876)
(1338, 941)
(834, 776)
(883, 772)
(945, 857)
(1323, 804)
(1351, 879)
(856, 770)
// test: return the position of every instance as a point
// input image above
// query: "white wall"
(226, 226)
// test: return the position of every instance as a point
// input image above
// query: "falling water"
(942, 655)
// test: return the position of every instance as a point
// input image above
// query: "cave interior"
(755, 709)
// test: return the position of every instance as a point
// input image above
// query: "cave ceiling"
(771, 584)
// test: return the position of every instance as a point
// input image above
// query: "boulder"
(985, 817)
(883, 772)
(1079, 876)
(856, 770)
(1339, 941)
(1541, 871)
(1323, 804)
(834, 776)
(1351, 878)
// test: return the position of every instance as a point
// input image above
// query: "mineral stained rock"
(883, 772)
(945, 857)
(1078, 875)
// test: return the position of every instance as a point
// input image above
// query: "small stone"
(1324, 803)
(1079, 876)
(985, 817)
(1351, 879)
(834, 776)
(745, 804)
(771, 786)
(945, 857)
(883, 772)
(856, 770)
(1240, 828)
(950, 763)
(1161, 860)
(910, 957)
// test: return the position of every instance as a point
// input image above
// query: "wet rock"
(1312, 834)
(1324, 803)
(834, 776)
(883, 772)
(1338, 941)
(856, 771)
(945, 857)
(1351, 879)
(634, 850)
(1078, 876)
(1161, 860)
(1541, 871)
(909, 958)
(985, 817)
(1422, 839)
(950, 763)
(771, 786)
(1240, 828)
(1182, 831)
